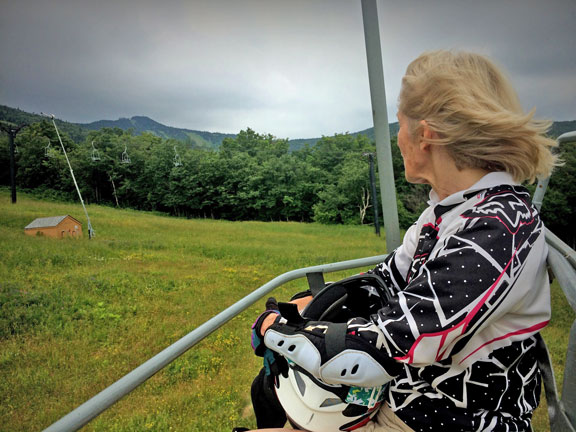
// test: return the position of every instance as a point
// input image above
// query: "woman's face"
(414, 158)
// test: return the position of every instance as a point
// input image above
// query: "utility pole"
(374, 196)
(12, 131)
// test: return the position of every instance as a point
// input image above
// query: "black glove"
(274, 363)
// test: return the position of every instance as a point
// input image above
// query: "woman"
(469, 284)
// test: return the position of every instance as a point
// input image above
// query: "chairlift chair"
(177, 160)
(125, 158)
(48, 149)
(95, 154)
(561, 259)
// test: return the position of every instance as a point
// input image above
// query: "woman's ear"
(426, 134)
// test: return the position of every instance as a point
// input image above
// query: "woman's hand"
(301, 303)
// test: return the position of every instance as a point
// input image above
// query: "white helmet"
(313, 405)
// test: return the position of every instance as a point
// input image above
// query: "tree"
(342, 201)
(559, 205)
(41, 163)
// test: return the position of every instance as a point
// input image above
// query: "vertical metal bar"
(374, 196)
(381, 127)
(12, 136)
(563, 416)
(540, 192)
(569, 383)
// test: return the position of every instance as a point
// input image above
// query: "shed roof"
(46, 222)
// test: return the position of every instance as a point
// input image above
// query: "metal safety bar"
(107, 397)
(566, 251)
(561, 410)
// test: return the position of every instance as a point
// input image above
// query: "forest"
(251, 176)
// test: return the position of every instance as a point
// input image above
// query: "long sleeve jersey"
(469, 290)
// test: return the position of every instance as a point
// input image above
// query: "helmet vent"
(300, 383)
(291, 348)
(354, 369)
(330, 402)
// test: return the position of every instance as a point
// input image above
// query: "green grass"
(76, 315)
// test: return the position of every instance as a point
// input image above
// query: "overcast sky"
(292, 68)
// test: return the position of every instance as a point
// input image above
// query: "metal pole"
(12, 131)
(374, 196)
(12, 167)
(381, 127)
(90, 229)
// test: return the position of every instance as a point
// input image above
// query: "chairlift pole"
(90, 229)
(12, 132)
(374, 193)
(381, 127)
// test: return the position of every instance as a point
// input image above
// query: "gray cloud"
(293, 69)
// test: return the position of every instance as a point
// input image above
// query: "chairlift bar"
(567, 252)
(107, 397)
(565, 273)
(381, 126)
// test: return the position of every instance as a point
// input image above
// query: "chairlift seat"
(95, 154)
(177, 160)
(125, 159)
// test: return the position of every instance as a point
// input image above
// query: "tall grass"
(76, 315)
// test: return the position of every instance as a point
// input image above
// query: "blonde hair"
(475, 112)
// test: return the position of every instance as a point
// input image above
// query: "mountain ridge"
(141, 124)
(198, 139)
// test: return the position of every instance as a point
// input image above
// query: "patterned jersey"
(469, 289)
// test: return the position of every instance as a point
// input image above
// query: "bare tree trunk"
(365, 204)
(114, 190)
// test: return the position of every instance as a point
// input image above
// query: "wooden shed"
(55, 226)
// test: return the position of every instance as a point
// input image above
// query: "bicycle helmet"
(313, 405)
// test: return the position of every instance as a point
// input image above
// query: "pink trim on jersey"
(463, 325)
(532, 329)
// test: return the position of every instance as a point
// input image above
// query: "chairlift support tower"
(12, 131)
(90, 229)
